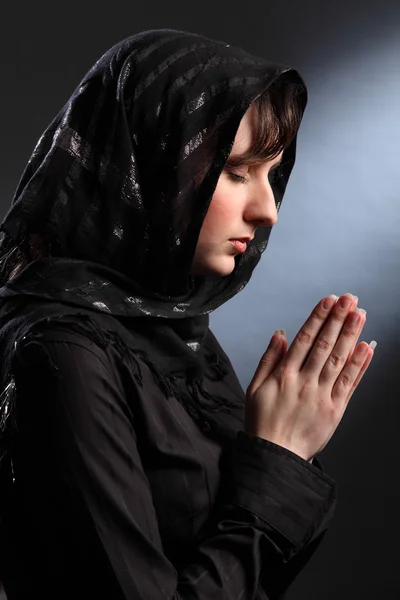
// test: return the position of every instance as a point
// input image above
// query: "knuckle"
(348, 332)
(304, 337)
(284, 373)
(323, 345)
(346, 380)
(336, 360)
(266, 361)
(319, 315)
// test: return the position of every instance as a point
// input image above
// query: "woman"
(134, 465)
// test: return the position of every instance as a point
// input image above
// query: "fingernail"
(327, 304)
(373, 344)
(346, 301)
(280, 332)
(360, 310)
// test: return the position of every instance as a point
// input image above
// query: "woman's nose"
(262, 207)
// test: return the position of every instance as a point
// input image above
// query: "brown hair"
(279, 115)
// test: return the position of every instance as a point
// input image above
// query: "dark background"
(339, 229)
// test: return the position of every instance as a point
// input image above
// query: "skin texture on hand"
(298, 395)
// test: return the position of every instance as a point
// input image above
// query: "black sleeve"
(90, 504)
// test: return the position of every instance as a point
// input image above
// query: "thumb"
(269, 360)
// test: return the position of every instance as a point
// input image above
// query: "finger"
(322, 351)
(357, 337)
(268, 361)
(285, 346)
(321, 317)
(338, 358)
(352, 374)
(367, 362)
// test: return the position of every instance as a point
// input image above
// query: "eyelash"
(239, 179)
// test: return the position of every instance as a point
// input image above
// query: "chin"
(219, 267)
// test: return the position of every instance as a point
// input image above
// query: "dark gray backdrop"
(338, 228)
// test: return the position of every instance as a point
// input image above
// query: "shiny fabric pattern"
(121, 181)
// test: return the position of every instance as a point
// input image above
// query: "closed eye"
(273, 175)
(237, 178)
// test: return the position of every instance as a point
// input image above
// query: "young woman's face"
(243, 200)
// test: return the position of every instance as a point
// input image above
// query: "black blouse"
(119, 495)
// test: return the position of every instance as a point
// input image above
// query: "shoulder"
(66, 374)
(62, 345)
(67, 387)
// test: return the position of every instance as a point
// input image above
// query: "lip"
(246, 239)
(240, 245)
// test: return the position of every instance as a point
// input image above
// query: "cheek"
(222, 210)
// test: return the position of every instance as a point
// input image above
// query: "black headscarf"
(119, 185)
